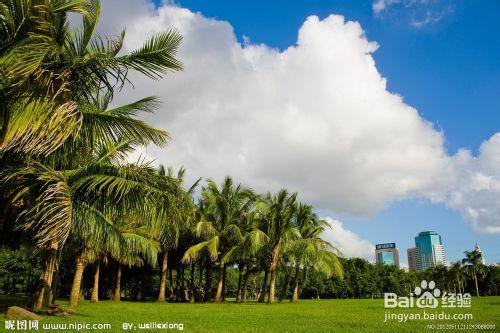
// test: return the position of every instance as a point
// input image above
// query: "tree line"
(19, 271)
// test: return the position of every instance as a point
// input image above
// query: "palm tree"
(138, 248)
(455, 274)
(473, 265)
(278, 214)
(178, 221)
(51, 76)
(48, 70)
(310, 250)
(224, 207)
(251, 246)
(109, 135)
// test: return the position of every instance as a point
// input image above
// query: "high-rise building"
(478, 249)
(387, 254)
(413, 259)
(429, 247)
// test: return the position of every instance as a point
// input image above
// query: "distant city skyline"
(428, 251)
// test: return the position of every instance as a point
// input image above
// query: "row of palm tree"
(456, 275)
(258, 233)
(64, 151)
(63, 148)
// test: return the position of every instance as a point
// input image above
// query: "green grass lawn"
(306, 316)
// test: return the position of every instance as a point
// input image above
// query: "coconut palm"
(310, 250)
(60, 178)
(244, 253)
(456, 276)
(51, 76)
(473, 266)
(225, 206)
(138, 248)
(48, 70)
(98, 193)
(278, 213)
(178, 221)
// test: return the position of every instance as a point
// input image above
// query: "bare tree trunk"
(94, 298)
(263, 290)
(77, 282)
(220, 278)
(240, 278)
(118, 280)
(45, 283)
(295, 296)
(163, 279)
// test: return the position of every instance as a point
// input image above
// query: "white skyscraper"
(478, 249)
(438, 255)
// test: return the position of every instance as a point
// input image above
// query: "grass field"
(306, 316)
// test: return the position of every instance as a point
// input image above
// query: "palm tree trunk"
(220, 278)
(304, 280)
(45, 283)
(263, 290)
(118, 281)
(179, 283)
(77, 282)
(272, 287)
(6, 119)
(54, 284)
(475, 282)
(208, 283)
(240, 278)
(171, 284)
(94, 298)
(224, 276)
(200, 283)
(183, 295)
(191, 287)
(245, 285)
(163, 279)
(272, 269)
(285, 286)
(295, 296)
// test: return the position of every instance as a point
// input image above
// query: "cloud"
(477, 192)
(316, 118)
(418, 13)
(350, 244)
(379, 6)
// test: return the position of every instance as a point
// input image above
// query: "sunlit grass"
(364, 315)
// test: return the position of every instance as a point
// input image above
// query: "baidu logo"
(427, 296)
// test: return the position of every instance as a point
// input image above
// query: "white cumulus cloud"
(477, 191)
(350, 244)
(316, 118)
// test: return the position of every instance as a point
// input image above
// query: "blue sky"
(448, 69)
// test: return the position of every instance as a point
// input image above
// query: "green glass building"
(429, 249)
